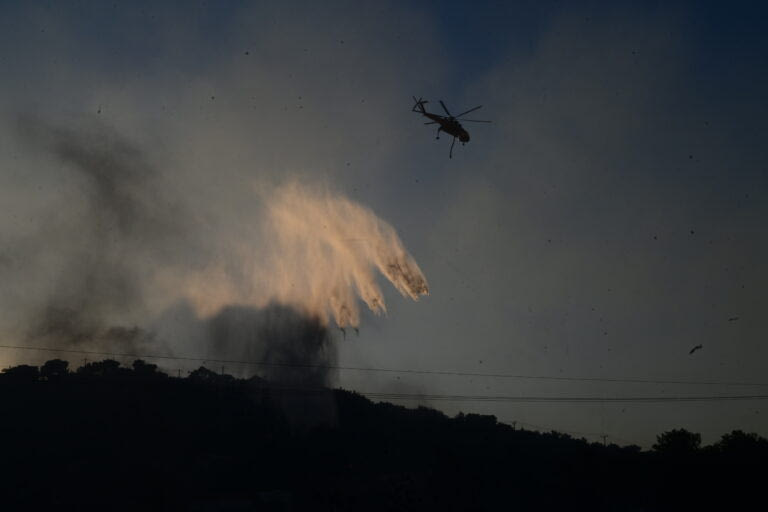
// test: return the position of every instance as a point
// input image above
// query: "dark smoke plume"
(124, 229)
(297, 349)
(298, 353)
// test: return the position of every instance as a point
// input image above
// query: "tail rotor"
(418, 105)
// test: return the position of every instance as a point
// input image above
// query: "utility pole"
(605, 437)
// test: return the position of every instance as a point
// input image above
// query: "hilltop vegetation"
(130, 438)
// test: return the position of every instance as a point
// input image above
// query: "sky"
(609, 219)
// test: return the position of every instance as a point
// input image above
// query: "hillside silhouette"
(121, 438)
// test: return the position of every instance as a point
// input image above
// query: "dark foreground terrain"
(135, 439)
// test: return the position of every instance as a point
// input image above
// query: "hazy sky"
(611, 218)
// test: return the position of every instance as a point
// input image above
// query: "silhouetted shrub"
(54, 369)
(21, 373)
(677, 442)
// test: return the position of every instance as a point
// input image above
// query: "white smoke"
(327, 249)
(322, 254)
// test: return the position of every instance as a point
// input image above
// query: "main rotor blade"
(474, 121)
(445, 108)
(432, 122)
(468, 111)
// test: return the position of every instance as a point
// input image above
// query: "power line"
(529, 399)
(391, 370)
(563, 399)
(445, 397)
(524, 399)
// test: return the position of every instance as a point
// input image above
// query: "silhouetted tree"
(205, 375)
(54, 369)
(143, 368)
(742, 444)
(476, 421)
(677, 442)
(105, 368)
(21, 373)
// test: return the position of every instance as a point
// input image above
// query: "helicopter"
(449, 124)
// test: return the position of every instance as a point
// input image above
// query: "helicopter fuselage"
(450, 126)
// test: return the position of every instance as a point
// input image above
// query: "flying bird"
(733, 319)
(694, 349)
